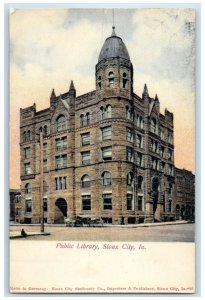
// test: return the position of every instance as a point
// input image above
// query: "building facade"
(15, 200)
(185, 194)
(108, 153)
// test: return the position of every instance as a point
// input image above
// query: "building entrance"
(60, 211)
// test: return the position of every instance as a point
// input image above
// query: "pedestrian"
(23, 233)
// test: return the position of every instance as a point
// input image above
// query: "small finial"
(71, 86)
(156, 97)
(145, 91)
(53, 95)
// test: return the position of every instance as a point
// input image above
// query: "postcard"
(102, 150)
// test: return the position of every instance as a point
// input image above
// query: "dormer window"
(61, 123)
(99, 82)
(111, 79)
(124, 81)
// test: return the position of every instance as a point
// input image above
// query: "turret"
(72, 90)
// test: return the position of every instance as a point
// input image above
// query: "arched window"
(99, 82)
(111, 79)
(108, 111)
(140, 183)
(102, 113)
(45, 130)
(130, 179)
(81, 120)
(153, 125)
(40, 129)
(106, 178)
(85, 181)
(28, 188)
(24, 136)
(88, 118)
(124, 80)
(28, 135)
(61, 123)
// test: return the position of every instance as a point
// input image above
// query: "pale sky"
(49, 48)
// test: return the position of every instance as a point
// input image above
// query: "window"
(153, 125)
(85, 158)
(129, 202)
(129, 134)
(129, 113)
(155, 146)
(162, 152)
(45, 187)
(27, 168)
(45, 130)
(170, 170)
(61, 183)
(107, 201)
(180, 195)
(170, 189)
(28, 135)
(86, 202)
(45, 149)
(140, 183)
(18, 211)
(129, 179)
(45, 204)
(140, 159)
(99, 82)
(162, 166)
(28, 206)
(130, 154)
(17, 198)
(28, 188)
(85, 181)
(111, 79)
(27, 152)
(155, 164)
(45, 165)
(81, 120)
(140, 122)
(106, 133)
(170, 137)
(87, 118)
(107, 153)
(61, 161)
(61, 144)
(139, 141)
(124, 81)
(170, 154)
(24, 136)
(85, 139)
(61, 123)
(105, 113)
(140, 202)
(106, 178)
(162, 134)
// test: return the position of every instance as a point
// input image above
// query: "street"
(165, 233)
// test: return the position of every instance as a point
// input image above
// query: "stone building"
(185, 194)
(108, 153)
(15, 198)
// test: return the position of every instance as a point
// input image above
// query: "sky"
(51, 47)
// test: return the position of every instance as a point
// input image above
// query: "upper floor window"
(28, 188)
(85, 120)
(106, 178)
(61, 183)
(27, 152)
(107, 153)
(106, 133)
(85, 138)
(170, 154)
(45, 165)
(44, 130)
(27, 168)
(169, 137)
(111, 79)
(162, 151)
(124, 80)
(153, 125)
(105, 112)
(85, 181)
(85, 158)
(26, 136)
(140, 122)
(130, 156)
(129, 113)
(45, 187)
(155, 163)
(99, 82)
(61, 123)
(139, 141)
(140, 159)
(130, 134)
(45, 149)
(61, 161)
(129, 179)
(140, 183)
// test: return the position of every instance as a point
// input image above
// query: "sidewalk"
(17, 234)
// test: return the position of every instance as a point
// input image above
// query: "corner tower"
(114, 71)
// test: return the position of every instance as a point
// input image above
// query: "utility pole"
(41, 182)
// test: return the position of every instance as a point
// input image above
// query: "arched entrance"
(60, 211)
